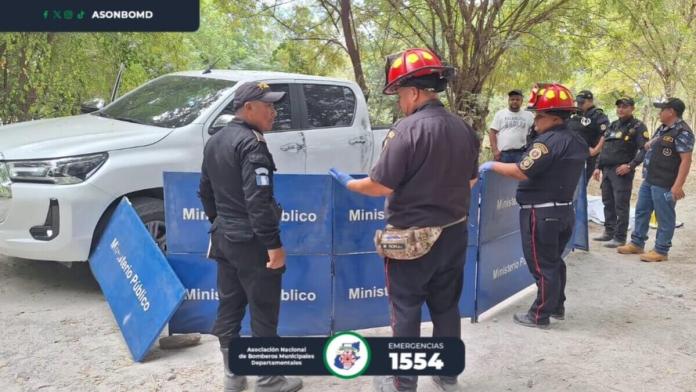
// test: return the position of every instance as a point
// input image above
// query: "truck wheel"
(151, 211)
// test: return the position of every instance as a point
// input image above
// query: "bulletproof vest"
(619, 143)
(665, 160)
(585, 125)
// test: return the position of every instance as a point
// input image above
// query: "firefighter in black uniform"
(622, 152)
(549, 173)
(590, 123)
(428, 162)
(236, 190)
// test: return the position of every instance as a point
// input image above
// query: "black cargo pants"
(616, 197)
(435, 279)
(244, 279)
(545, 233)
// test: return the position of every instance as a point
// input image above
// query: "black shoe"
(559, 315)
(604, 237)
(524, 319)
(614, 244)
(447, 384)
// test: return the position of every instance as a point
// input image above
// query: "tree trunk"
(351, 44)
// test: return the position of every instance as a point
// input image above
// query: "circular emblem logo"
(585, 121)
(535, 153)
(347, 355)
(667, 152)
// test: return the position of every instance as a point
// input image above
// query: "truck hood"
(74, 135)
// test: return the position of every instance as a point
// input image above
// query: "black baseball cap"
(583, 95)
(255, 91)
(515, 92)
(625, 101)
(672, 103)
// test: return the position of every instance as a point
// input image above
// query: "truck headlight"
(62, 171)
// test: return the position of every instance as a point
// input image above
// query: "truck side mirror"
(220, 123)
(92, 105)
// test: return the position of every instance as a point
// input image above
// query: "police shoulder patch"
(390, 135)
(603, 127)
(262, 177)
(526, 163)
(542, 147)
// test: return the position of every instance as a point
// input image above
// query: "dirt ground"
(629, 327)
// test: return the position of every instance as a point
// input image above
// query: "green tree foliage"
(643, 48)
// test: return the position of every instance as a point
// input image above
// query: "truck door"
(285, 141)
(335, 134)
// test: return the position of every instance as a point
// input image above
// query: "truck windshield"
(168, 102)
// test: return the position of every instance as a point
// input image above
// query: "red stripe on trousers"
(538, 267)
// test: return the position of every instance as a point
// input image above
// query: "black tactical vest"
(619, 143)
(665, 160)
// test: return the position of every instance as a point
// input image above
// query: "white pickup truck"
(61, 178)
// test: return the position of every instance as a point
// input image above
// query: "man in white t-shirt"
(508, 134)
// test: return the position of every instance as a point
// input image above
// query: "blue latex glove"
(486, 166)
(341, 177)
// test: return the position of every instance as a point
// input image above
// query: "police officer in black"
(590, 123)
(428, 161)
(549, 173)
(236, 189)
(621, 154)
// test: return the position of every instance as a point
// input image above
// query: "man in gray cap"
(665, 168)
(237, 193)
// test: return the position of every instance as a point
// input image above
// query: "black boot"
(604, 237)
(524, 319)
(233, 383)
(278, 384)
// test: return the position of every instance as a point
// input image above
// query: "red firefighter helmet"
(551, 96)
(415, 63)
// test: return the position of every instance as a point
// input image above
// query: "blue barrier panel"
(467, 302)
(581, 233)
(356, 217)
(306, 296)
(500, 213)
(187, 224)
(305, 222)
(360, 292)
(138, 283)
(502, 270)
(199, 276)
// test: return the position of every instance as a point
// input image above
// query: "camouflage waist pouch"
(408, 244)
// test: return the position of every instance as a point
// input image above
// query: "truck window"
(329, 106)
(283, 121)
(169, 102)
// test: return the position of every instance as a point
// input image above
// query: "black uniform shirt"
(590, 125)
(237, 186)
(428, 159)
(553, 166)
(624, 139)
